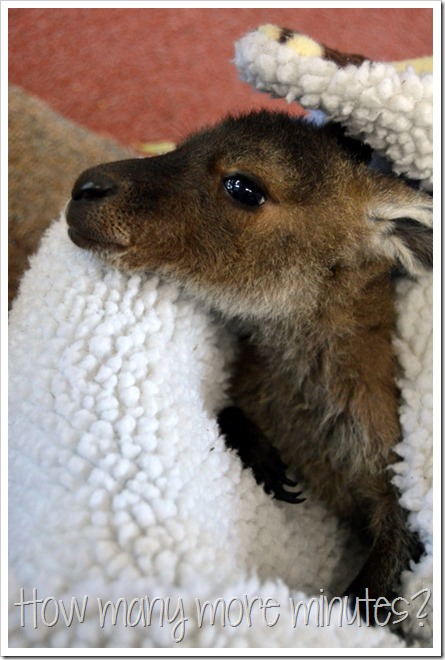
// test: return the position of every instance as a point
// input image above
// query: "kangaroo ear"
(404, 232)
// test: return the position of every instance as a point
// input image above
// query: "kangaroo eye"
(243, 190)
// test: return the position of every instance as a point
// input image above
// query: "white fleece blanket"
(122, 491)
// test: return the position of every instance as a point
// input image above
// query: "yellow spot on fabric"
(305, 46)
(271, 31)
(419, 64)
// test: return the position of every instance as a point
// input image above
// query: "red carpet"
(153, 74)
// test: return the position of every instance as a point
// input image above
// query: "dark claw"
(257, 453)
(273, 479)
(289, 482)
(289, 492)
(272, 475)
(286, 496)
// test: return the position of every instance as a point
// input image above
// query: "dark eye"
(243, 190)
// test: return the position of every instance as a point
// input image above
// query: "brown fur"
(306, 280)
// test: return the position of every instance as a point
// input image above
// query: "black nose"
(93, 188)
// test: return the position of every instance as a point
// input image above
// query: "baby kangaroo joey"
(283, 229)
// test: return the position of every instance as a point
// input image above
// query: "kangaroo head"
(258, 213)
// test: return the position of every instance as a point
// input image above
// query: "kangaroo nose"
(93, 189)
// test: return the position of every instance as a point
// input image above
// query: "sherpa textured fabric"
(391, 110)
(121, 486)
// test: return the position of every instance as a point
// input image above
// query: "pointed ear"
(404, 231)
